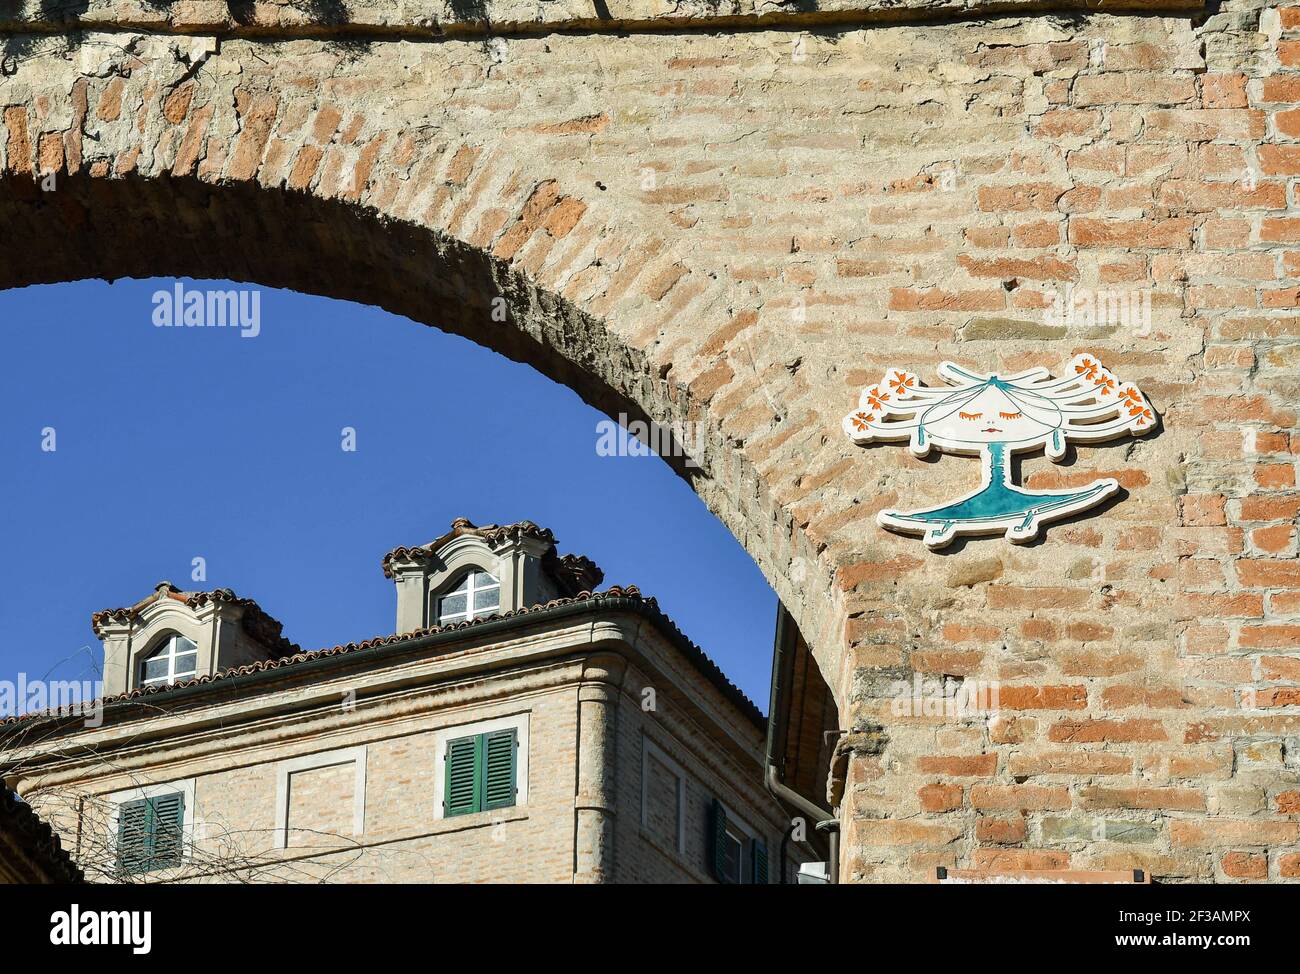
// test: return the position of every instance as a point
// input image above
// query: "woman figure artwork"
(996, 416)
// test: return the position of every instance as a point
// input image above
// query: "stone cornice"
(392, 700)
(301, 702)
(424, 19)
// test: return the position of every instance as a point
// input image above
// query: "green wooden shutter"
(461, 792)
(133, 836)
(718, 841)
(167, 830)
(758, 857)
(499, 765)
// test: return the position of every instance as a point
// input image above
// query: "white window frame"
(738, 837)
(650, 749)
(740, 830)
(284, 770)
(468, 579)
(185, 786)
(166, 649)
(441, 738)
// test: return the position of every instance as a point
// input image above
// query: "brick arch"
(164, 170)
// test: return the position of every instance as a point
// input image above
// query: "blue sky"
(176, 443)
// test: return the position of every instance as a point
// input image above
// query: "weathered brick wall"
(744, 229)
(1146, 656)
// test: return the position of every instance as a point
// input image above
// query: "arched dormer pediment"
(460, 555)
(521, 557)
(158, 623)
(223, 629)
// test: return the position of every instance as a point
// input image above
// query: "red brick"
(1252, 833)
(1270, 697)
(1205, 125)
(890, 833)
(1188, 194)
(1178, 799)
(1123, 696)
(1229, 357)
(1069, 762)
(1266, 573)
(1269, 637)
(1288, 802)
(1245, 865)
(18, 147)
(1115, 88)
(1223, 90)
(1014, 860)
(958, 765)
(1026, 268)
(1202, 509)
(937, 299)
(1174, 234)
(1064, 121)
(1275, 476)
(304, 167)
(1023, 797)
(957, 633)
(1028, 196)
(1117, 731)
(1042, 698)
(177, 104)
(256, 120)
(1285, 603)
(1006, 830)
(1282, 88)
(954, 664)
(1273, 540)
(1269, 508)
(1279, 160)
(1288, 123)
(1277, 229)
(940, 798)
(49, 153)
(1280, 298)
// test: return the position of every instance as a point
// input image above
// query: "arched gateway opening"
(184, 227)
(135, 227)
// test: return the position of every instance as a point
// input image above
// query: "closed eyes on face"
(970, 415)
(1009, 415)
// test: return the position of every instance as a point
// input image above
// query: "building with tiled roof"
(519, 725)
(31, 851)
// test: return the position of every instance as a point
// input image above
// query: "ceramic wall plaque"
(995, 417)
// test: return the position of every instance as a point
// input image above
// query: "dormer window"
(175, 658)
(476, 595)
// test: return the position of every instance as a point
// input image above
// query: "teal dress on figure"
(999, 504)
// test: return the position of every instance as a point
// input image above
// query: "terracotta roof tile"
(493, 534)
(32, 836)
(709, 669)
(256, 622)
(573, 573)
